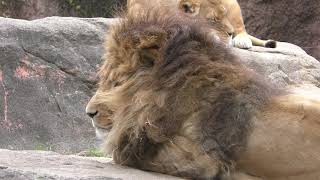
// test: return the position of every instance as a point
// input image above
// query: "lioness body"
(227, 12)
(180, 103)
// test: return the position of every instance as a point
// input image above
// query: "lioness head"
(213, 10)
(172, 99)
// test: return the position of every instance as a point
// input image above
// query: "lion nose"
(230, 34)
(91, 111)
(92, 114)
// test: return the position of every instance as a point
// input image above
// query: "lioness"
(226, 12)
(172, 100)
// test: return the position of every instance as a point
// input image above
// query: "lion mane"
(179, 101)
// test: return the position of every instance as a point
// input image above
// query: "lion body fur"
(180, 103)
(284, 143)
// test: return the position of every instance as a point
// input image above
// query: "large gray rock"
(30, 165)
(47, 75)
(285, 65)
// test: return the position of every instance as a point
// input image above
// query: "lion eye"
(213, 20)
(115, 84)
(186, 8)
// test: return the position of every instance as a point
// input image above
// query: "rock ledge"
(30, 165)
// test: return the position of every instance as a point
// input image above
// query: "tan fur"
(138, 7)
(285, 143)
(179, 103)
(226, 12)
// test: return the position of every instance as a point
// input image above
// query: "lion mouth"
(101, 132)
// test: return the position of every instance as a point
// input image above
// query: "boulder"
(285, 65)
(293, 21)
(47, 75)
(30, 165)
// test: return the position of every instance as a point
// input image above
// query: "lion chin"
(101, 133)
(172, 99)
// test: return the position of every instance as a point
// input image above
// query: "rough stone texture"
(30, 9)
(286, 65)
(36, 9)
(47, 72)
(294, 21)
(47, 75)
(30, 165)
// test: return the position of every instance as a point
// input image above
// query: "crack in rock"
(6, 123)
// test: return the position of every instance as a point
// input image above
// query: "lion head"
(172, 100)
(213, 11)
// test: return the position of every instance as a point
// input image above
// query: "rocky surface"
(285, 65)
(47, 72)
(293, 21)
(47, 75)
(30, 165)
(30, 9)
(36, 9)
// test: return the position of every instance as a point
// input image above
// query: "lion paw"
(242, 41)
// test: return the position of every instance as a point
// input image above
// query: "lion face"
(100, 115)
(118, 86)
(213, 10)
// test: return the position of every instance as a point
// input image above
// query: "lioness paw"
(242, 41)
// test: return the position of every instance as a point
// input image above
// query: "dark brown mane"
(163, 71)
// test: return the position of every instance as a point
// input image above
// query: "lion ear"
(150, 42)
(189, 7)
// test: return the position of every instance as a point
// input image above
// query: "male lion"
(226, 12)
(172, 100)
